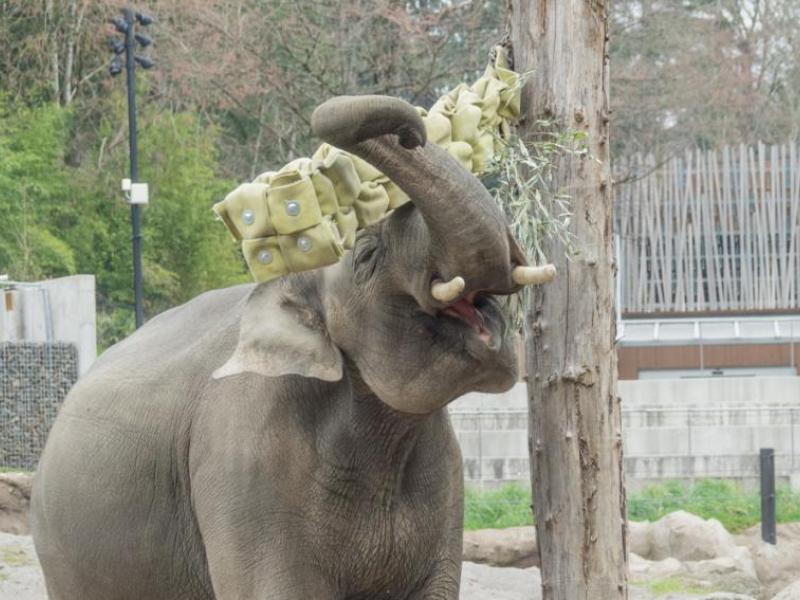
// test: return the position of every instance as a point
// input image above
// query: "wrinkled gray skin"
(290, 440)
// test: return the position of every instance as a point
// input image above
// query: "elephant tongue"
(466, 311)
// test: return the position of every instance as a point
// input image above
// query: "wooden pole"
(575, 426)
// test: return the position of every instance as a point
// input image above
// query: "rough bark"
(575, 426)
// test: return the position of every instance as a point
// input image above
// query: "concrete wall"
(675, 393)
(673, 429)
(700, 393)
(56, 310)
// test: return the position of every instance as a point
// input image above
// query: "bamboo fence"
(711, 231)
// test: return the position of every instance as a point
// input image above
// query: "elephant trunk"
(470, 244)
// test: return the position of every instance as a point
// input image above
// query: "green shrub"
(724, 500)
(507, 506)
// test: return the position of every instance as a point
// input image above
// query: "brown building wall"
(634, 358)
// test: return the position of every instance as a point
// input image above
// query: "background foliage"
(236, 81)
(735, 507)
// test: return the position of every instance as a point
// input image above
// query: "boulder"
(723, 573)
(511, 547)
(15, 498)
(734, 575)
(640, 537)
(792, 592)
(685, 536)
(642, 570)
(776, 566)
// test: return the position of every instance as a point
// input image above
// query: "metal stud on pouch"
(292, 208)
(304, 243)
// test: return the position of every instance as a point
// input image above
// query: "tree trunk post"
(575, 437)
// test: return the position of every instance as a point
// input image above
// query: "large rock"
(640, 535)
(792, 592)
(685, 536)
(15, 498)
(722, 573)
(707, 554)
(732, 574)
(777, 566)
(512, 547)
(643, 570)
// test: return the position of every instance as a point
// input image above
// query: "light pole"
(137, 191)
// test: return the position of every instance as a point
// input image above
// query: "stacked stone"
(34, 380)
(306, 215)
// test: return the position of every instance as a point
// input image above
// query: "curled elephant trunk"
(470, 244)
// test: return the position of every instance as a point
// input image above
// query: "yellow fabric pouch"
(482, 152)
(347, 221)
(312, 248)
(338, 168)
(264, 257)
(326, 194)
(462, 152)
(465, 123)
(397, 197)
(371, 204)
(438, 128)
(245, 211)
(292, 203)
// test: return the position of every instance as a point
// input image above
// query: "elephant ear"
(281, 335)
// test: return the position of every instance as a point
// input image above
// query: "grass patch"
(674, 585)
(14, 470)
(723, 500)
(15, 557)
(735, 508)
(507, 506)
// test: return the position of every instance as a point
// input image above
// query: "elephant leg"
(275, 581)
(252, 557)
(443, 582)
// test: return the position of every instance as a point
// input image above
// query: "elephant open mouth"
(468, 311)
(478, 320)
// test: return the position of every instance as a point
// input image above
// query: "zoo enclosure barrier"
(661, 443)
(35, 377)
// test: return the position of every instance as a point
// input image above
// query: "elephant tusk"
(447, 291)
(533, 275)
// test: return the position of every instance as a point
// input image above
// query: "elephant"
(290, 440)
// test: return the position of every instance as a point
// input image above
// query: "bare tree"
(575, 426)
(698, 73)
(49, 48)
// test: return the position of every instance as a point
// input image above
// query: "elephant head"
(412, 312)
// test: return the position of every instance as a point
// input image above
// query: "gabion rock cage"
(34, 380)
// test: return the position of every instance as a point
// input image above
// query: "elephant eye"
(366, 255)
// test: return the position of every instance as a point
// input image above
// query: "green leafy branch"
(521, 178)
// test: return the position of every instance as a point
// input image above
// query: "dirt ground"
(21, 578)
